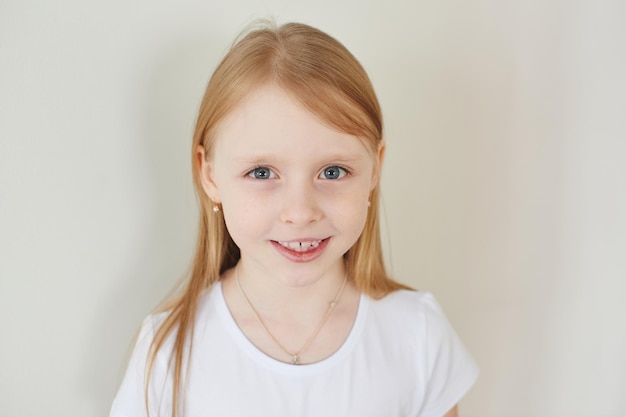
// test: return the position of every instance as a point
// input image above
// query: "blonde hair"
(328, 80)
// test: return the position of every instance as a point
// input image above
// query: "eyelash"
(254, 172)
(343, 171)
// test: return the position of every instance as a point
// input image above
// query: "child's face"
(294, 192)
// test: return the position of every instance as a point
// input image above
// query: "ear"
(378, 166)
(206, 172)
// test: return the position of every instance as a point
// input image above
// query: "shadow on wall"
(169, 104)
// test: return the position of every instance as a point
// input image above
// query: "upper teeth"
(301, 246)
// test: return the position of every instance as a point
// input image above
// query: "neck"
(298, 295)
(289, 317)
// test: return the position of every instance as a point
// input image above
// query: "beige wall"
(504, 187)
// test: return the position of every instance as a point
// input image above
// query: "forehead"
(270, 120)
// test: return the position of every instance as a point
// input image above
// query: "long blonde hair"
(326, 78)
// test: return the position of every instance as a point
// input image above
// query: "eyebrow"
(256, 159)
(344, 157)
(269, 158)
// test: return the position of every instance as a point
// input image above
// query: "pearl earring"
(216, 208)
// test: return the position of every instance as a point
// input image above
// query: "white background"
(504, 188)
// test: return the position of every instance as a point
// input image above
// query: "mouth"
(302, 246)
(304, 250)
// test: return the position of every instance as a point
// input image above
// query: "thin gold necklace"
(295, 357)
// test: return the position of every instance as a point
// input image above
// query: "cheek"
(350, 214)
(245, 218)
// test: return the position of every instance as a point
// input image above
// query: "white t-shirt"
(402, 358)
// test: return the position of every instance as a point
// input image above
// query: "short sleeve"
(451, 369)
(130, 398)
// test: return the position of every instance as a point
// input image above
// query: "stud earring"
(369, 203)
(216, 208)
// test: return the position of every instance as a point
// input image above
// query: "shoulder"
(129, 398)
(408, 305)
(151, 324)
(416, 323)
(415, 319)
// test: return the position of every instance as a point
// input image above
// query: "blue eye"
(262, 173)
(333, 172)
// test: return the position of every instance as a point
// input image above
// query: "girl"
(288, 310)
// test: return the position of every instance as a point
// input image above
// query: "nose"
(300, 204)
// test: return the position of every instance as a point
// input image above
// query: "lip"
(301, 257)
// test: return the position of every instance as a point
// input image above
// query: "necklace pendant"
(295, 360)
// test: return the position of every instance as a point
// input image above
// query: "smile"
(301, 246)
(305, 250)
